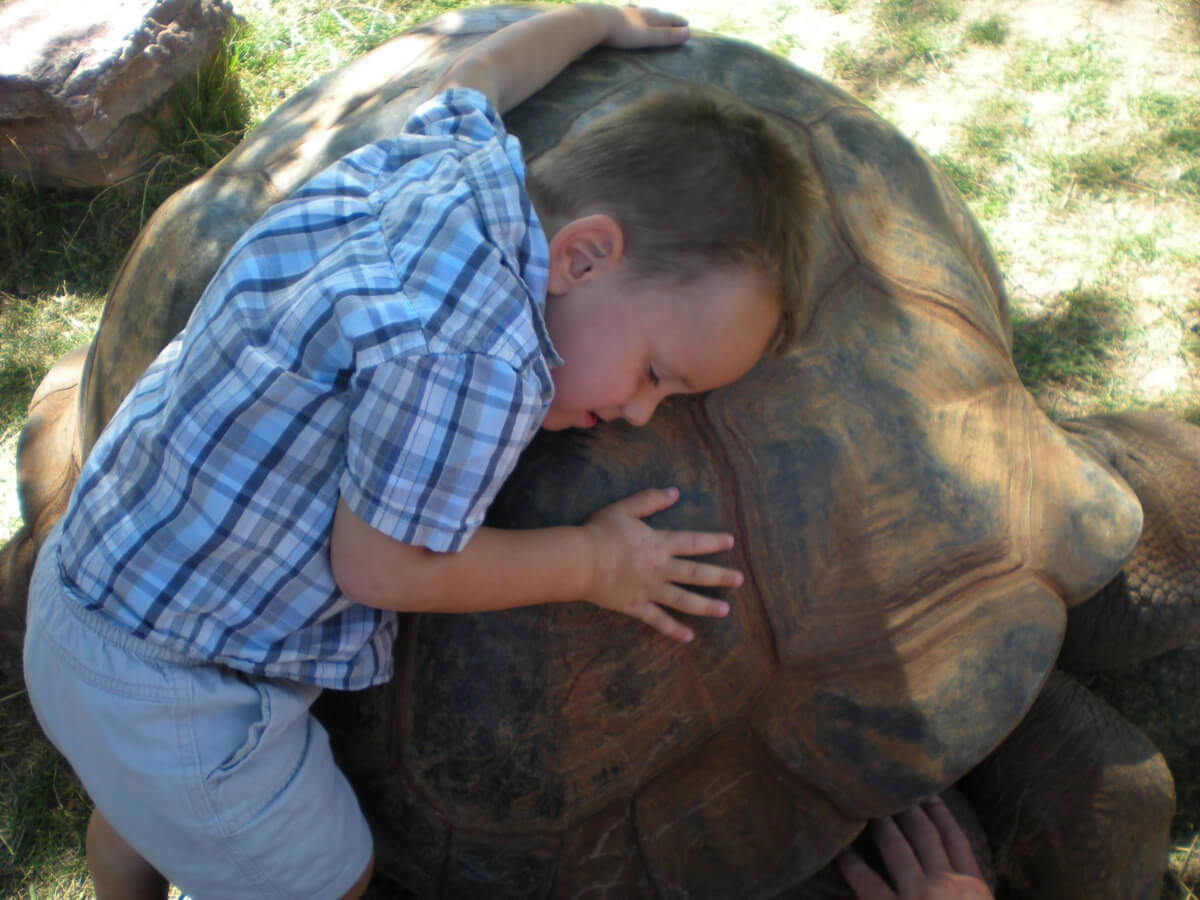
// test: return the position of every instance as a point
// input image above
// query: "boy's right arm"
(615, 560)
(517, 60)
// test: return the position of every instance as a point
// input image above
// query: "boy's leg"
(226, 784)
(118, 871)
(359, 887)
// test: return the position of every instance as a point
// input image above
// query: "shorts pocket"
(248, 720)
(251, 741)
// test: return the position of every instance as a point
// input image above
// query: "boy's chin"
(560, 420)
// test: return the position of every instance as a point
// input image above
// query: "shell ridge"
(718, 438)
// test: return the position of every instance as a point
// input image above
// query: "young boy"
(318, 447)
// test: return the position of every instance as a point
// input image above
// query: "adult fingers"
(925, 839)
(863, 880)
(958, 846)
(898, 856)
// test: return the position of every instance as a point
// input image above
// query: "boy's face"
(626, 345)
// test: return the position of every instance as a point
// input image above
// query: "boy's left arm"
(516, 61)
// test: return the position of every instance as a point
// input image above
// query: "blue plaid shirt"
(378, 336)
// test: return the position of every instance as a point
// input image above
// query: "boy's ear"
(583, 248)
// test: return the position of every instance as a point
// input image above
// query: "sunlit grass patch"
(978, 162)
(1095, 171)
(1158, 109)
(34, 333)
(986, 191)
(1039, 66)
(1191, 341)
(992, 31)
(908, 35)
(1137, 247)
(1075, 346)
(277, 52)
(1171, 139)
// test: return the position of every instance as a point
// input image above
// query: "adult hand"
(927, 856)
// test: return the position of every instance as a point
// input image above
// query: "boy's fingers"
(686, 571)
(647, 28)
(692, 604)
(863, 880)
(656, 19)
(660, 16)
(652, 615)
(648, 502)
(668, 36)
(958, 846)
(697, 543)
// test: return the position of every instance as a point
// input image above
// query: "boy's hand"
(927, 855)
(637, 569)
(517, 60)
(631, 27)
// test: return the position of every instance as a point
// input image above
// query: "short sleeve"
(460, 113)
(430, 441)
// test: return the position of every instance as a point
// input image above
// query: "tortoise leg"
(1076, 801)
(1153, 605)
(47, 464)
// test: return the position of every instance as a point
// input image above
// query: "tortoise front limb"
(47, 464)
(1077, 803)
(1153, 604)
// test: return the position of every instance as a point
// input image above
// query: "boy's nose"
(639, 410)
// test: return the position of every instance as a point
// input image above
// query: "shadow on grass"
(43, 809)
(1077, 345)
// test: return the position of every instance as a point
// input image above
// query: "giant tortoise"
(913, 529)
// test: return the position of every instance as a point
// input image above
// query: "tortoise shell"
(911, 526)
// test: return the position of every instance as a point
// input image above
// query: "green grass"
(77, 239)
(1095, 171)
(909, 35)
(992, 31)
(1076, 347)
(32, 332)
(1039, 66)
(979, 162)
(43, 810)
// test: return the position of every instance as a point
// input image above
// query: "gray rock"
(77, 79)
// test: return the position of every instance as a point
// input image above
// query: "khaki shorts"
(224, 783)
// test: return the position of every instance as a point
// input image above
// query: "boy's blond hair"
(694, 177)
